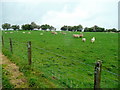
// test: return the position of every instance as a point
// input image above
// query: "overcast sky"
(88, 13)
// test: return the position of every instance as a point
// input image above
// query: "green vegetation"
(5, 79)
(63, 61)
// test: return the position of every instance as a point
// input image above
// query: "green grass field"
(60, 61)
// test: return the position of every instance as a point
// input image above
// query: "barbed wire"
(111, 72)
(75, 60)
(109, 80)
(69, 70)
(61, 56)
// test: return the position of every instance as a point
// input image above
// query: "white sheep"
(54, 32)
(76, 36)
(93, 40)
(83, 39)
(41, 33)
(63, 33)
(29, 32)
(23, 32)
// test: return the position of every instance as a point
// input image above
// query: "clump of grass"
(5, 80)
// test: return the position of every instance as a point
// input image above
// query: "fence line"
(96, 73)
(79, 61)
(66, 57)
(81, 69)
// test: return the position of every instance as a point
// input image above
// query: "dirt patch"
(16, 77)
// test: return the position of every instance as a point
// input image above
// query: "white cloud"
(88, 14)
(58, 0)
(72, 12)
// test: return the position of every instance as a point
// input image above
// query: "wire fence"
(56, 66)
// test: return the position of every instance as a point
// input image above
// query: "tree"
(43, 27)
(38, 27)
(33, 25)
(86, 29)
(6, 26)
(15, 27)
(46, 26)
(114, 30)
(51, 28)
(98, 29)
(79, 28)
(111, 30)
(27, 27)
(64, 28)
(74, 28)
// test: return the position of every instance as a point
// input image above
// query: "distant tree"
(74, 28)
(86, 29)
(94, 29)
(118, 31)
(79, 28)
(27, 27)
(38, 27)
(111, 30)
(6, 26)
(98, 29)
(64, 28)
(46, 26)
(114, 30)
(51, 28)
(33, 25)
(70, 28)
(15, 27)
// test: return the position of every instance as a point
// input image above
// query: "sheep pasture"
(64, 60)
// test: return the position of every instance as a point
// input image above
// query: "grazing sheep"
(41, 33)
(5, 32)
(11, 32)
(93, 40)
(63, 33)
(83, 39)
(76, 36)
(81, 35)
(29, 32)
(23, 32)
(54, 32)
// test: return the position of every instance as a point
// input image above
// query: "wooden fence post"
(29, 52)
(2, 41)
(11, 49)
(97, 75)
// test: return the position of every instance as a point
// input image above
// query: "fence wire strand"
(24, 45)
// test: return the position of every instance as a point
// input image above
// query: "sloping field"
(64, 60)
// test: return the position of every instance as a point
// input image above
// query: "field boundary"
(15, 76)
(29, 55)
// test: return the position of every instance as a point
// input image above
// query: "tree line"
(34, 26)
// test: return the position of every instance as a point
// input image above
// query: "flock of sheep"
(83, 39)
(78, 36)
(74, 35)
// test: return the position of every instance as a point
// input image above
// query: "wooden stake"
(97, 75)
(11, 49)
(29, 52)
(2, 41)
